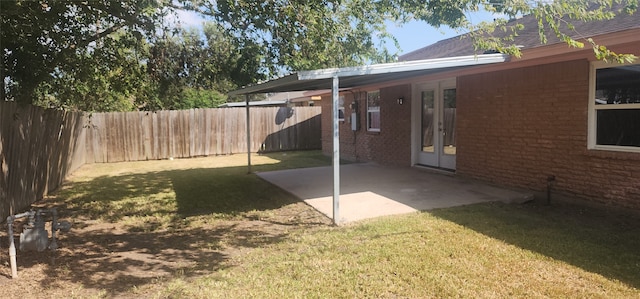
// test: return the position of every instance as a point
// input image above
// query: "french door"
(434, 124)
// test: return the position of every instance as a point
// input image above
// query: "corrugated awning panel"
(367, 75)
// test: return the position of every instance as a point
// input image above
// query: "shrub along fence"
(40, 147)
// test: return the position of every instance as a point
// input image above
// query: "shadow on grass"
(131, 230)
(224, 192)
(594, 240)
(297, 159)
(176, 194)
(116, 262)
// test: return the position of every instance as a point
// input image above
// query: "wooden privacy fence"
(135, 136)
(40, 147)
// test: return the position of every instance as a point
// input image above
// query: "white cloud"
(190, 19)
(185, 19)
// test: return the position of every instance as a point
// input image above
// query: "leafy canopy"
(43, 40)
(104, 55)
(554, 18)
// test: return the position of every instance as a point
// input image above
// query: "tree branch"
(85, 42)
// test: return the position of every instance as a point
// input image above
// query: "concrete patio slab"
(369, 190)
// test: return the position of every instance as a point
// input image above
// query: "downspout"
(336, 151)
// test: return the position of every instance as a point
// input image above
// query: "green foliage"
(201, 98)
(300, 35)
(41, 39)
(194, 64)
(104, 55)
(107, 77)
(603, 53)
(117, 56)
(554, 18)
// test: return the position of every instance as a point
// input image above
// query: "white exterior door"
(434, 124)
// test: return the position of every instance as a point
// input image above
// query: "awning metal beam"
(246, 99)
(336, 149)
(354, 77)
(368, 74)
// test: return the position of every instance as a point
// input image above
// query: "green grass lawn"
(151, 195)
(262, 248)
(480, 251)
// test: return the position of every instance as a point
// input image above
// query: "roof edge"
(403, 66)
(374, 69)
(265, 85)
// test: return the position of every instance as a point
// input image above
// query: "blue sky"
(411, 36)
(416, 35)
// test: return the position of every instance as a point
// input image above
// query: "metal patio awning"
(367, 75)
(337, 78)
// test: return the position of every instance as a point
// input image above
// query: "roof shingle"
(528, 37)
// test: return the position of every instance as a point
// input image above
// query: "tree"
(191, 71)
(62, 52)
(105, 56)
(299, 35)
(554, 18)
(108, 77)
(40, 38)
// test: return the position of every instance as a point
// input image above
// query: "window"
(341, 108)
(614, 114)
(373, 111)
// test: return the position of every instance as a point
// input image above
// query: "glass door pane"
(449, 122)
(428, 98)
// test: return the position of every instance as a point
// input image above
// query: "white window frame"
(375, 109)
(341, 108)
(593, 108)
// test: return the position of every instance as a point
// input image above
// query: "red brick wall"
(517, 127)
(391, 146)
(514, 127)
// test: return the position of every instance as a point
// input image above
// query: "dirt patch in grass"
(136, 225)
(106, 260)
(204, 228)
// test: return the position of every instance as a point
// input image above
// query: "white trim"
(341, 99)
(253, 103)
(406, 66)
(593, 108)
(366, 75)
(368, 122)
(617, 148)
(416, 117)
(617, 107)
(438, 158)
(591, 116)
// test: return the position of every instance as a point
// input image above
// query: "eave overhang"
(351, 77)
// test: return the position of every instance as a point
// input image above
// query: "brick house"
(555, 112)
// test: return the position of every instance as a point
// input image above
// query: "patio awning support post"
(246, 101)
(336, 150)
